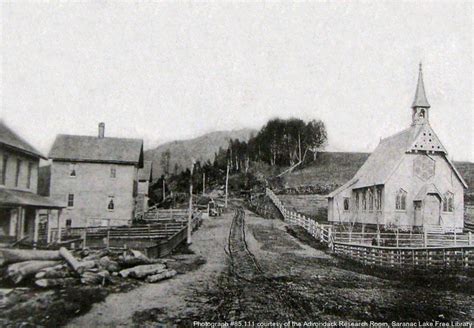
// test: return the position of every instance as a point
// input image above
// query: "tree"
(165, 162)
(315, 136)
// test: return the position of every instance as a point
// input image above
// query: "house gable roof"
(98, 150)
(10, 139)
(145, 173)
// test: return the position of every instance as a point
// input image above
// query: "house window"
(448, 202)
(371, 199)
(28, 180)
(18, 171)
(346, 204)
(401, 200)
(357, 200)
(110, 203)
(364, 200)
(4, 170)
(113, 172)
(70, 200)
(72, 170)
(68, 224)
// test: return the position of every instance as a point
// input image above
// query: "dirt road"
(173, 300)
(294, 282)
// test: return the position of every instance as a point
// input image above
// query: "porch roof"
(425, 190)
(24, 198)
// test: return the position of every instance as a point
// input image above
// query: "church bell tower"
(420, 104)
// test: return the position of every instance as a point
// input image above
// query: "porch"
(24, 217)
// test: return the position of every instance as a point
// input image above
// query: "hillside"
(201, 148)
(327, 172)
(332, 169)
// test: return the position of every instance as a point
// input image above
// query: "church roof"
(420, 95)
(387, 156)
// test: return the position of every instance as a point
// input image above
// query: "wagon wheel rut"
(248, 278)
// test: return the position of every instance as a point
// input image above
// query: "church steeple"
(420, 103)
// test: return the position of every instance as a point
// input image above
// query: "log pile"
(59, 269)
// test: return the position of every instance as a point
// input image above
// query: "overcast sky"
(165, 71)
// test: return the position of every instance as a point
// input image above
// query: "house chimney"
(101, 130)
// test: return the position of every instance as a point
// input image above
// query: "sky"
(175, 70)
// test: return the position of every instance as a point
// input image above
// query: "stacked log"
(59, 269)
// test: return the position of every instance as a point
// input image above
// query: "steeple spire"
(420, 95)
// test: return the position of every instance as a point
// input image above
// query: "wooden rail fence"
(399, 250)
(155, 239)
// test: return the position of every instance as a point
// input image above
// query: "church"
(407, 183)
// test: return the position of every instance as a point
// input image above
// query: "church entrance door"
(431, 210)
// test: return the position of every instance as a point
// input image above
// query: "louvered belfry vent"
(428, 141)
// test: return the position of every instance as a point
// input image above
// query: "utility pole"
(164, 190)
(203, 183)
(190, 214)
(226, 185)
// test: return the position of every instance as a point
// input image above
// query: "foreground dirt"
(175, 301)
(317, 287)
(298, 283)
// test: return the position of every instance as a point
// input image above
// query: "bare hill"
(201, 148)
(332, 169)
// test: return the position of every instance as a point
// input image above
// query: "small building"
(23, 213)
(96, 177)
(145, 177)
(407, 183)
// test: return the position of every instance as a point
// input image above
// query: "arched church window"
(422, 113)
(371, 199)
(401, 200)
(448, 202)
(364, 201)
(378, 199)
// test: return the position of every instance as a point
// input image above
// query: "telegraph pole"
(226, 185)
(190, 214)
(164, 190)
(203, 183)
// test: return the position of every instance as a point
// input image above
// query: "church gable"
(428, 141)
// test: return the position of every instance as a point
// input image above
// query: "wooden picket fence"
(399, 250)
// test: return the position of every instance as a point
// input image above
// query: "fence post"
(425, 238)
(396, 237)
(378, 237)
(455, 236)
(84, 238)
(469, 235)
